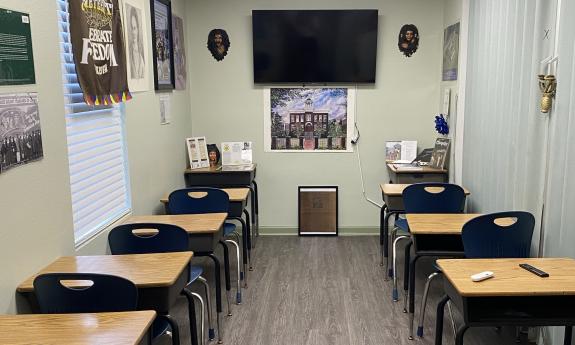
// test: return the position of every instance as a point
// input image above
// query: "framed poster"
(179, 53)
(16, 58)
(450, 52)
(308, 119)
(318, 210)
(136, 38)
(163, 56)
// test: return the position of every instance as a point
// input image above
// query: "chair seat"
(402, 224)
(229, 228)
(195, 272)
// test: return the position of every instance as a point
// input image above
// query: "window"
(96, 151)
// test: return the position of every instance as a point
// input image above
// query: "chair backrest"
(198, 200)
(162, 238)
(106, 294)
(495, 235)
(433, 198)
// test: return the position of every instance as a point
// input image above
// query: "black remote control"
(534, 270)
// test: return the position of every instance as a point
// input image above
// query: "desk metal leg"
(217, 274)
(192, 317)
(412, 264)
(406, 274)
(439, 320)
(245, 248)
(227, 275)
(386, 242)
(249, 239)
(381, 234)
(175, 328)
(253, 207)
(460, 333)
(568, 335)
(257, 203)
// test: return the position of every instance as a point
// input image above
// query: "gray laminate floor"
(327, 291)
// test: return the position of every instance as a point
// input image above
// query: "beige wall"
(401, 105)
(35, 209)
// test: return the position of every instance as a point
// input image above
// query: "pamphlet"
(197, 152)
(237, 153)
(400, 151)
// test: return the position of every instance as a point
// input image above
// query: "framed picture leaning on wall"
(163, 51)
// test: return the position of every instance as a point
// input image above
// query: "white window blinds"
(96, 150)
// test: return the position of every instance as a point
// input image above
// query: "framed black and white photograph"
(20, 134)
(164, 77)
(136, 38)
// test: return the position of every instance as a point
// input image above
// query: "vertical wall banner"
(162, 44)
(16, 58)
(20, 134)
(98, 47)
(136, 28)
(450, 52)
(179, 53)
(308, 119)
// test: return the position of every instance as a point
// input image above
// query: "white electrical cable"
(359, 156)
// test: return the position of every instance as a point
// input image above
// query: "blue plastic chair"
(209, 200)
(107, 293)
(483, 238)
(163, 238)
(421, 198)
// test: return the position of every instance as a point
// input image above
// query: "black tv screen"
(314, 46)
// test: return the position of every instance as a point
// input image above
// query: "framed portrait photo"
(164, 77)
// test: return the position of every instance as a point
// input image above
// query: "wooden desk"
(159, 277)
(221, 176)
(228, 177)
(436, 235)
(438, 224)
(205, 231)
(128, 328)
(403, 173)
(513, 296)
(392, 195)
(237, 207)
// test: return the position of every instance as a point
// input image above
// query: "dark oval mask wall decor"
(218, 43)
(408, 40)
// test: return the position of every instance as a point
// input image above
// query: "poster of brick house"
(308, 119)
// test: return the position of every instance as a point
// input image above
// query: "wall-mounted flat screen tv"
(314, 46)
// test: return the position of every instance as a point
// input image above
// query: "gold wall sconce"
(548, 86)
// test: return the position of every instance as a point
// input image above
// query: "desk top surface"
(235, 195)
(224, 169)
(408, 169)
(396, 189)
(204, 223)
(126, 328)
(510, 279)
(438, 223)
(144, 270)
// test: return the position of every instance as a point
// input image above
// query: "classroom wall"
(227, 106)
(35, 207)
